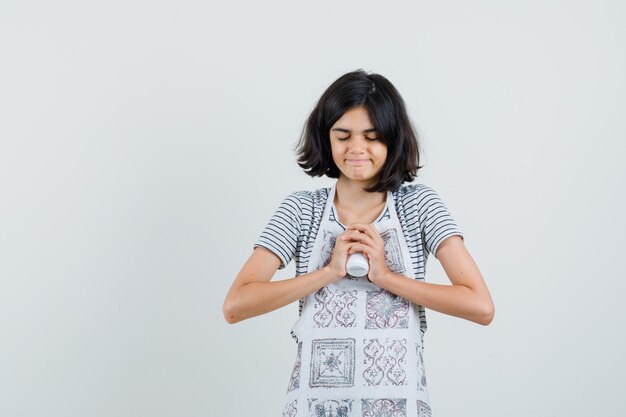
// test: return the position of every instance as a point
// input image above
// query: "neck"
(351, 194)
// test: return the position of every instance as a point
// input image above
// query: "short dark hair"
(388, 114)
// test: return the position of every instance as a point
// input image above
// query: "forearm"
(455, 300)
(256, 298)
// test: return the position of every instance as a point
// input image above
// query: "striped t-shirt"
(424, 218)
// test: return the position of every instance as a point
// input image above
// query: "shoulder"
(309, 198)
(408, 190)
(413, 194)
(303, 204)
(418, 198)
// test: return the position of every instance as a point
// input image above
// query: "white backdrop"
(130, 129)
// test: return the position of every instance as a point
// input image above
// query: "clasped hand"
(360, 237)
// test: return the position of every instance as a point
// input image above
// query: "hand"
(337, 264)
(366, 239)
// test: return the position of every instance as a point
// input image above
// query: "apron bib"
(360, 350)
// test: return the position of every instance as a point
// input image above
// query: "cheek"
(383, 154)
(338, 149)
(336, 154)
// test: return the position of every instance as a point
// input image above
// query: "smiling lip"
(356, 161)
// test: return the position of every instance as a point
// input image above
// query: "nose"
(358, 143)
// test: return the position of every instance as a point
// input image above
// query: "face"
(357, 148)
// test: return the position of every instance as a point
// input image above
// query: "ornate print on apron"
(360, 351)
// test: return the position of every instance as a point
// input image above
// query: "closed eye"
(371, 139)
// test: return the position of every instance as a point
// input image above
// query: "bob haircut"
(388, 114)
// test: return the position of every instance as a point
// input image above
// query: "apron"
(360, 351)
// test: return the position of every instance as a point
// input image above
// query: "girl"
(360, 340)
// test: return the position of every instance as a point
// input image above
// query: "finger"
(362, 238)
(351, 234)
(360, 247)
(357, 226)
(356, 231)
(342, 244)
(368, 238)
(369, 229)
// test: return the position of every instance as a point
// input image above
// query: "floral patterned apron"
(360, 352)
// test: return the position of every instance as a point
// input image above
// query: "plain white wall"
(129, 131)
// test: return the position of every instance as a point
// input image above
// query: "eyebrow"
(340, 129)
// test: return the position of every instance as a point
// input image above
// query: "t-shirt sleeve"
(281, 232)
(436, 221)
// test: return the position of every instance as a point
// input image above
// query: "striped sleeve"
(281, 232)
(435, 219)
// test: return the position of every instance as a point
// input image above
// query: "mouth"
(357, 161)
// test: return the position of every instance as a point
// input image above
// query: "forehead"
(355, 118)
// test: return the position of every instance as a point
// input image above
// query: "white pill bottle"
(357, 265)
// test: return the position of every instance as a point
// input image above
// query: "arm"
(252, 293)
(467, 297)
